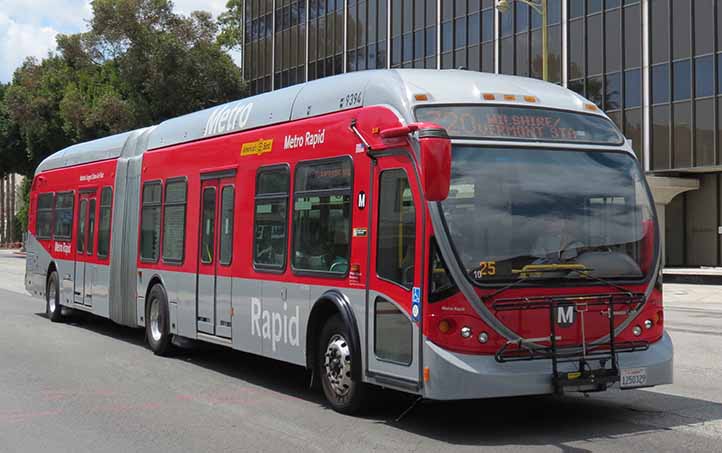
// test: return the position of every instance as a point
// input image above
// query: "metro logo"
(274, 326)
(228, 118)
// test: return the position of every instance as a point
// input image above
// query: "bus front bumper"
(464, 376)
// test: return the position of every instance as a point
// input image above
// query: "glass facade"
(655, 66)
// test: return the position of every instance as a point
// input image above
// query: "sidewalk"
(12, 270)
(693, 275)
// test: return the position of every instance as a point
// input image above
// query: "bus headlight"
(637, 331)
(648, 324)
(483, 337)
(466, 332)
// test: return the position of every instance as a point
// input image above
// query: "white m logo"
(565, 315)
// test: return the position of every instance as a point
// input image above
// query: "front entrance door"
(85, 249)
(395, 280)
(215, 253)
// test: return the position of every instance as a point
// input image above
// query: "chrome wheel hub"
(337, 365)
(155, 331)
(51, 299)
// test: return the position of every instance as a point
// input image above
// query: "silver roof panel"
(95, 150)
(395, 88)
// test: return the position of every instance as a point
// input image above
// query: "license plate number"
(633, 377)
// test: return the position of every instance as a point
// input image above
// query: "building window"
(576, 8)
(44, 219)
(660, 30)
(322, 216)
(660, 84)
(632, 88)
(613, 92)
(106, 203)
(704, 132)
(396, 242)
(174, 221)
(226, 235)
(661, 137)
(64, 216)
(704, 76)
(681, 24)
(269, 249)
(150, 222)
(682, 88)
(682, 121)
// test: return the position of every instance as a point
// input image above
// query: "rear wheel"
(52, 298)
(157, 329)
(336, 358)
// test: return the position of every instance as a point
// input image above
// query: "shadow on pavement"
(531, 421)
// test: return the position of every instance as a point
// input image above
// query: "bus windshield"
(513, 209)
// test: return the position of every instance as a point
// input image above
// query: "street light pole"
(540, 6)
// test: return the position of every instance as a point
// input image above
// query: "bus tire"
(335, 358)
(157, 322)
(52, 298)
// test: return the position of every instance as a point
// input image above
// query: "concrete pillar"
(664, 189)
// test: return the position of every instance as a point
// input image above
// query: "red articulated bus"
(450, 234)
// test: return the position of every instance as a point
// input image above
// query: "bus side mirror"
(435, 156)
(435, 162)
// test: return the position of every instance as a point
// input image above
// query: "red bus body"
(281, 312)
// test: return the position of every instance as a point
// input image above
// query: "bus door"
(215, 255)
(85, 248)
(394, 281)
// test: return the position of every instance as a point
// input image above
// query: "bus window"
(226, 241)
(174, 221)
(44, 219)
(321, 216)
(91, 227)
(81, 226)
(393, 333)
(64, 216)
(106, 202)
(269, 249)
(150, 222)
(208, 224)
(396, 230)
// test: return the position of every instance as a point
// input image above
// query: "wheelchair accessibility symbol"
(416, 304)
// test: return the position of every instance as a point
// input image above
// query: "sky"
(29, 27)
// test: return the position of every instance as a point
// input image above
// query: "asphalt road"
(91, 386)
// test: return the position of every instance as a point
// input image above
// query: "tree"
(138, 64)
(231, 25)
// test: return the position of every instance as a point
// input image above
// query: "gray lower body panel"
(463, 376)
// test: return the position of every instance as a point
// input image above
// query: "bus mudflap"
(590, 365)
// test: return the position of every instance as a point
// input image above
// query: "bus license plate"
(633, 377)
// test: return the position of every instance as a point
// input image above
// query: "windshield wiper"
(585, 273)
(534, 270)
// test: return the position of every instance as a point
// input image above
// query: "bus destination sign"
(520, 123)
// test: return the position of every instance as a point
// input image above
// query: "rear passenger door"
(214, 309)
(85, 248)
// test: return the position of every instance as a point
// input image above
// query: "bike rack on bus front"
(585, 378)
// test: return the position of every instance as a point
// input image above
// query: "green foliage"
(231, 25)
(138, 64)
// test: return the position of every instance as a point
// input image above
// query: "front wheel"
(52, 298)
(157, 329)
(345, 394)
